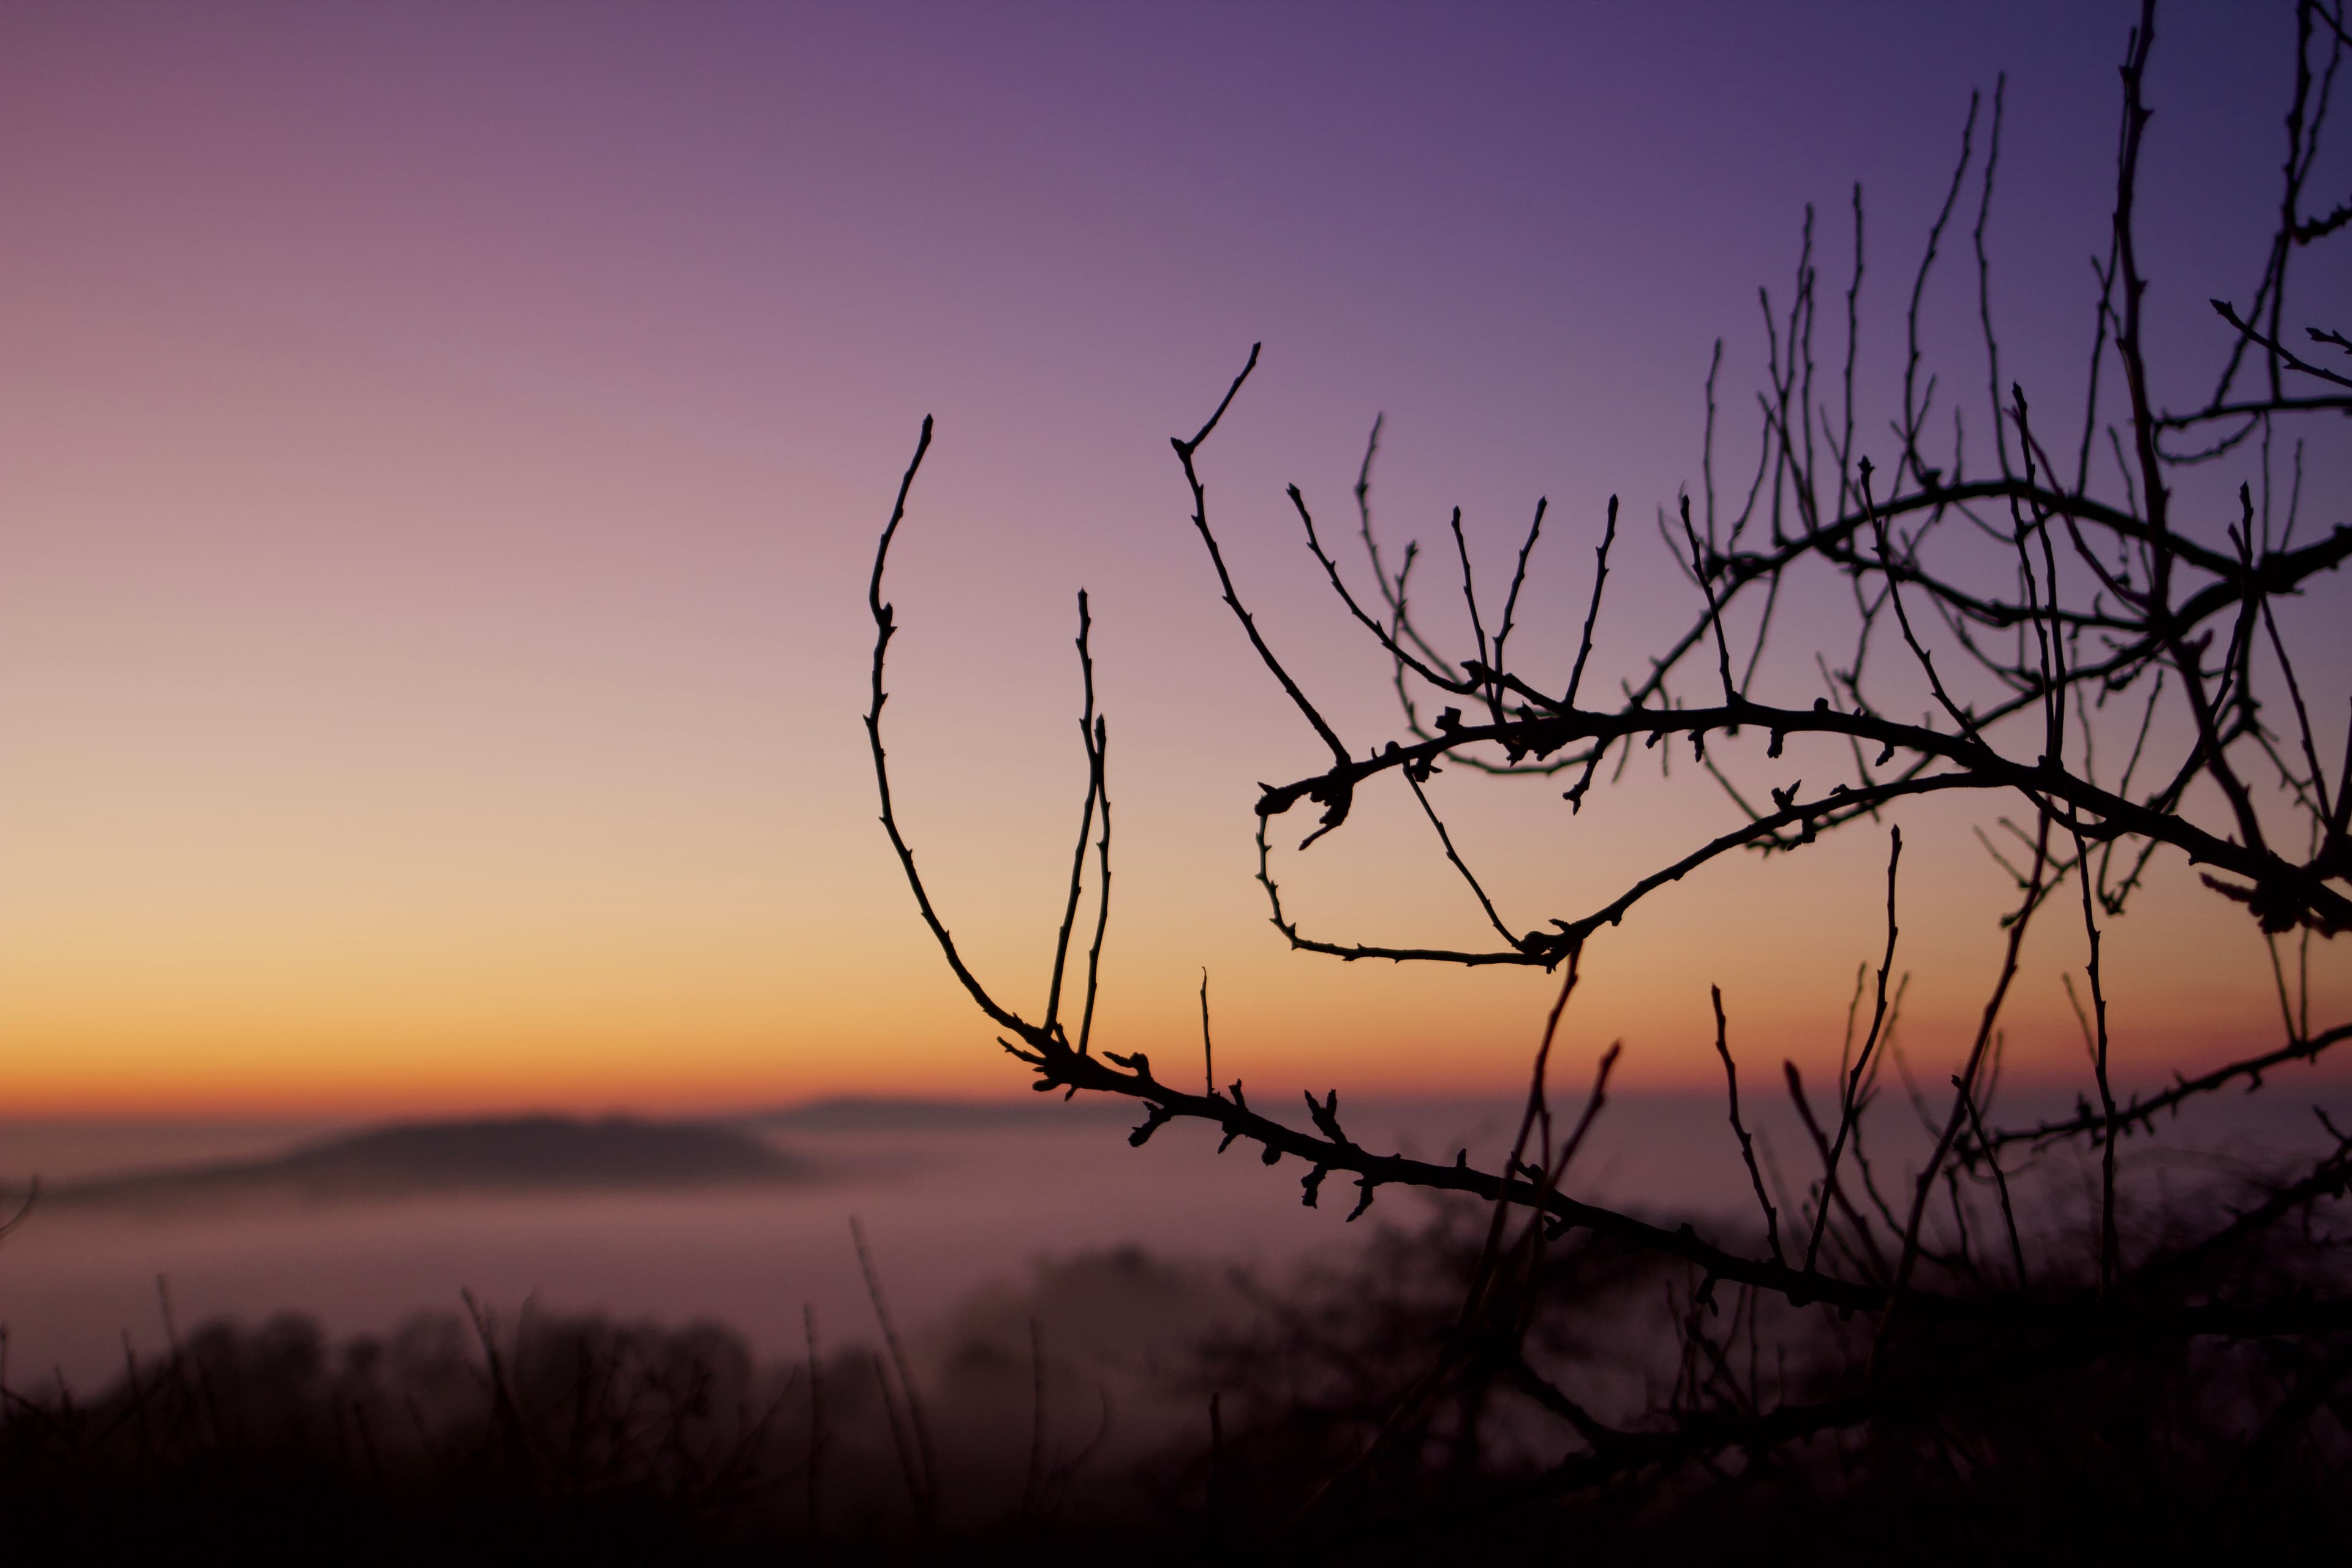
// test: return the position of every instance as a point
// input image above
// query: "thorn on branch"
(1161, 1116)
(1337, 790)
(1326, 1116)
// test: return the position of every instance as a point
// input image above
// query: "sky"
(442, 450)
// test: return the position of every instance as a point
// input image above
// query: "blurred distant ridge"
(536, 1153)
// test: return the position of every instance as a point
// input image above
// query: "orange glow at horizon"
(434, 548)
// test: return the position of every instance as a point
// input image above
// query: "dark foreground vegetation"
(1303, 1431)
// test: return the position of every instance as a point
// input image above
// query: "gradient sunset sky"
(442, 447)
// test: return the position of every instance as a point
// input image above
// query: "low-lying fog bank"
(745, 1221)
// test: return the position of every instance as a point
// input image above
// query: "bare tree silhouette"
(2058, 604)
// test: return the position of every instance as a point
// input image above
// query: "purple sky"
(441, 448)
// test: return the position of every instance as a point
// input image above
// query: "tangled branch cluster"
(2116, 605)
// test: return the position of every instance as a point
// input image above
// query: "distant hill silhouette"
(523, 1153)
